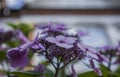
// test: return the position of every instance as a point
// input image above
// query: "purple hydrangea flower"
(62, 41)
(92, 53)
(36, 44)
(55, 41)
(21, 36)
(53, 27)
(58, 27)
(40, 68)
(17, 57)
(102, 58)
(97, 70)
(5, 35)
(111, 52)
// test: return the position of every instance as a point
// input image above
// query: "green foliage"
(25, 74)
(118, 70)
(25, 28)
(107, 73)
(104, 70)
(88, 74)
(30, 55)
(2, 55)
(12, 43)
(49, 73)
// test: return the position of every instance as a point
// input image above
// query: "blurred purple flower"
(53, 27)
(92, 53)
(102, 58)
(21, 36)
(5, 35)
(62, 41)
(58, 27)
(36, 44)
(73, 72)
(58, 47)
(97, 70)
(17, 57)
(111, 52)
(40, 68)
(81, 33)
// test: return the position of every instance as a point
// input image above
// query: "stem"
(110, 62)
(56, 72)
(8, 75)
(67, 63)
(57, 68)
(47, 56)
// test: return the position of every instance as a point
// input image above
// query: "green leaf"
(104, 70)
(88, 74)
(25, 74)
(12, 43)
(112, 74)
(2, 55)
(30, 55)
(49, 73)
(107, 73)
(25, 28)
(14, 26)
(103, 67)
(118, 70)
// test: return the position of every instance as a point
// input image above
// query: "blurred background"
(100, 18)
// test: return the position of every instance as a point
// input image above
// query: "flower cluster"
(112, 52)
(5, 35)
(58, 47)
(8, 36)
